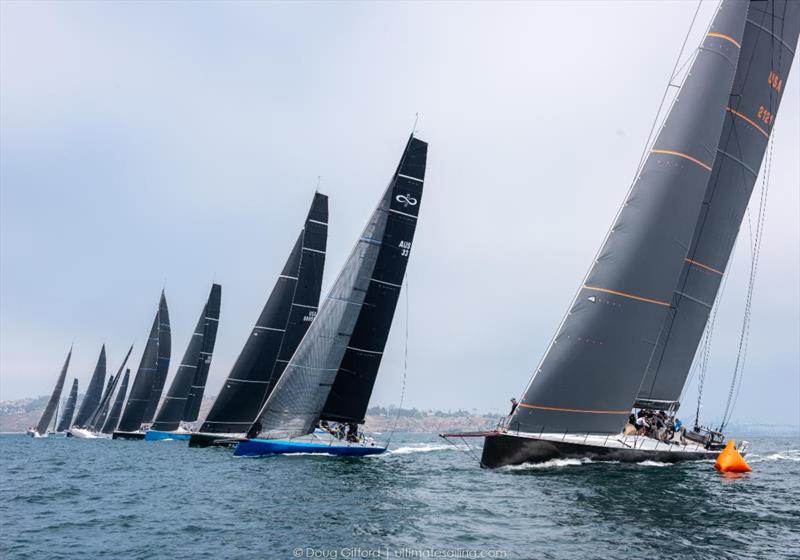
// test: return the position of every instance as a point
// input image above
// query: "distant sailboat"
(331, 374)
(98, 418)
(192, 374)
(69, 409)
(112, 419)
(284, 320)
(149, 380)
(91, 399)
(48, 416)
(632, 331)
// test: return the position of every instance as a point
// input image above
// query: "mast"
(52, 404)
(352, 325)
(91, 399)
(283, 322)
(69, 408)
(112, 420)
(588, 379)
(196, 359)
(164, 350)
(768, 45)
(99, 417)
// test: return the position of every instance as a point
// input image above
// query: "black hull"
(504, 450)
(212, 440)
(128, 435)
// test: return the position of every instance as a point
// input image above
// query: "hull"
(214, 440)
(500, 450)
(263, 447)
(155, 435)
(81, 433)
(127, 435)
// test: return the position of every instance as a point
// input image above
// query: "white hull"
(82, 433)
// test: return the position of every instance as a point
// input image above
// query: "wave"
(649, 463)
(786, 455)
(422, 448)
(551, 464)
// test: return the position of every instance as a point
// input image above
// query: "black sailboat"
(633, 330)
(91, 399)
(149, 380)
(48, 416)
(69, 408)
(111, 421)
(331, 374)
(191, 375)
(284, 320)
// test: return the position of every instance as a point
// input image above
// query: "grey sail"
(767, 50)
(296, 404)
(197, 387)
(111, 422)
(91, 399)
(195, 360)
(162, 365)
(589, 376)
(99, 418)
(69, 409)
(283, 322)
(52, 404)
(142, 389)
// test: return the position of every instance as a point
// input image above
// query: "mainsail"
(193, 368)
(142, 389)
(162, 367)
(283, 322)
(91, 400)
(337, 360)
(112, 420)
(98, 419)
(768, 45)
(588, 379)
(52, 404)
(69, 409)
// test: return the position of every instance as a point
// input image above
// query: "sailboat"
(150, 377)
(633, 329)
(91, 428)
(91, 400)
(108, 427)
(331, 375)
(49, 414)
(69, 409)
(182, 402)
(284, 320)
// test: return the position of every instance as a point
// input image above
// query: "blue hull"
(153, 435)
(261, 447)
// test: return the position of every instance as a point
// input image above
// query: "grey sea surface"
(425, 498)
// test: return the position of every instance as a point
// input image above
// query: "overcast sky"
(171, 144)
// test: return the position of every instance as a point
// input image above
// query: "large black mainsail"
(588, 379)
(193, 368)
(69, 409)
(142, 390)
(91, 399)
(767, 50)
(335, 365)
(52, 404)
(162, 367)
(98, 419)
(283, 322)
(112, 420)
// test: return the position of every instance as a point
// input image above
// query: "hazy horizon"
(150, 145)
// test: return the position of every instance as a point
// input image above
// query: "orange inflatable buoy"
(730, 460)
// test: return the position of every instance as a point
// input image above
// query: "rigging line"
(405, 371)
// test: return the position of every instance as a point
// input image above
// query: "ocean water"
(69, 498)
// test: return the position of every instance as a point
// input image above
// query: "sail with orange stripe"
(590, 374)
(767, 50)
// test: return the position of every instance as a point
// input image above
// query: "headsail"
(112, 420)
(52, 404)
(196, 360)
(162, 367)
(198, 385)
(372, 275)
(69, 409)
(588, 379)
(283, 322)
(91, 400)
(98, 420)
(768, 45)
(142, 389)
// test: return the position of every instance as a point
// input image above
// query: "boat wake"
(551, 464)
(787, 455)
(423, 448)
(649, 463)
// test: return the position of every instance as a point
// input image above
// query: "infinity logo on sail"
(406, 200)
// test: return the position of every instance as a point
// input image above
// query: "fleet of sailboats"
(305, 375)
